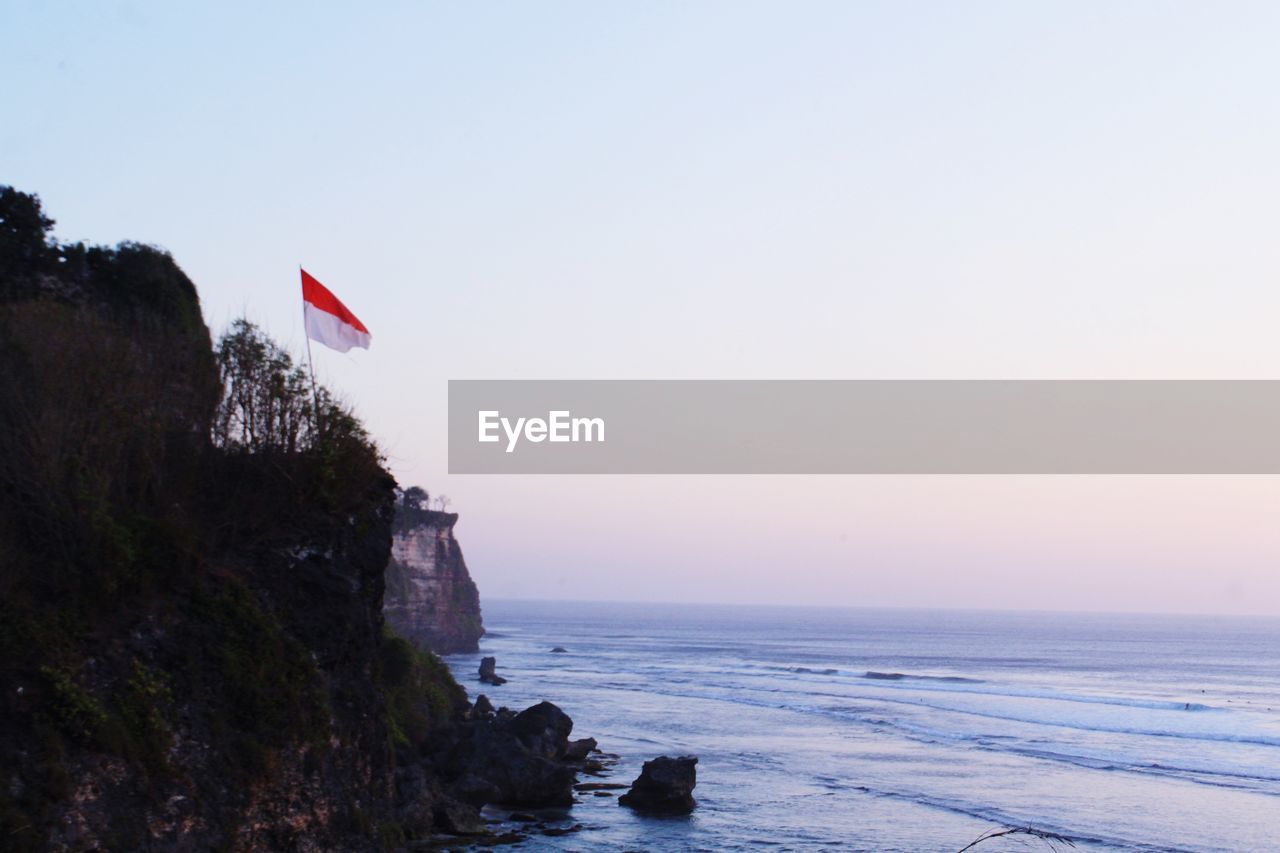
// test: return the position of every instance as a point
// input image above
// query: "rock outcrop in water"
(430, 597)
(523, 759)
(489, 672)
(665, 786)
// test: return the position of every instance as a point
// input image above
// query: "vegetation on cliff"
(191, 574)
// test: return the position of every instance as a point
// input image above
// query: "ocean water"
(861, 729)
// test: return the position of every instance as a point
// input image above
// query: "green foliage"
(267, 403)
(75, 710)
(412, 510)
(415, 497)
(147, 485)
(257, 686)
(145, 705)
(107, 386)
(421, 693)
(270, 410)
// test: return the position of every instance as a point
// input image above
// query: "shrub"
(421, 693)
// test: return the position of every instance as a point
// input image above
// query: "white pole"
(311, 365)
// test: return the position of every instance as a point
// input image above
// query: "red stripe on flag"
(319, 296)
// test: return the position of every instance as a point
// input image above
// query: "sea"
(907, 730)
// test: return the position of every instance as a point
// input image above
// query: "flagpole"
(311, 365)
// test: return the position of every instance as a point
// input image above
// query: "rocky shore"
(494, 757)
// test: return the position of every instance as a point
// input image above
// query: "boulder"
(665, 785)
(578, 750)
(559, 650)
(544, 729)
(458, 819)
(515, 759)
(483, 707)
(488, 674)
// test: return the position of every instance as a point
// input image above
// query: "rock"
(488, 674)
(600, 786)
(559, 650)
(555, 831)
(522, 817)
(665, 785)
(514, 759)
(578, 750)
(416, 800)
(483, 707)
(458, 819)
(430, 598)
(544, 729)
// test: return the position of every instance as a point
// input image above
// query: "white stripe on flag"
(331, 331)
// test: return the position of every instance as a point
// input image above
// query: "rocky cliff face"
(192, 647)
(430, 597)
(251, 706)
(193, 653)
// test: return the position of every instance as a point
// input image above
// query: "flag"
(328, 320)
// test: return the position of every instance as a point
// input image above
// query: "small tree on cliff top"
(268, 404)
(415, 497)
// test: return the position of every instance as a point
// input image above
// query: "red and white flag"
(328, 320)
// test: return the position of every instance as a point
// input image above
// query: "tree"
(442, 502)
(415, 497)
(25, 243)
(267, 403)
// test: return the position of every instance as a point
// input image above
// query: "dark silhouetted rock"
(578, 750)
(514, 759)
(544, 729)
(665, 785)
(559, 650)
(488, 673)
(458, 819)
(483, 707)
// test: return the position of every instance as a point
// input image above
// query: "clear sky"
(716, 190)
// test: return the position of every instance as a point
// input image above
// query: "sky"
(716, 190)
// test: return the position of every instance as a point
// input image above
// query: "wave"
(903, 676)
(998, 816)
(923, 683)
(930, 692)
(1097, 726)
(868, 716)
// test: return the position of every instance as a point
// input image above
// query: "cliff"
(192, 648)
(430, 597)
(194, 548)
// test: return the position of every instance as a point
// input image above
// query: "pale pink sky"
(736, 190)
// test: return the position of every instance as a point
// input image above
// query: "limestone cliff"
(430, 597)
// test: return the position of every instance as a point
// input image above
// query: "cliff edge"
(192, 558)
(430, 598)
